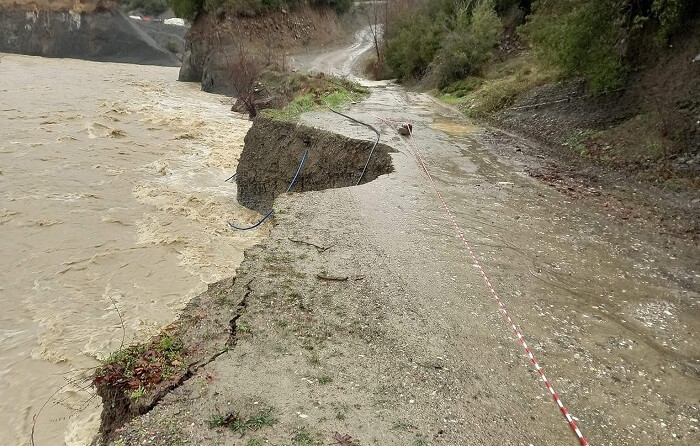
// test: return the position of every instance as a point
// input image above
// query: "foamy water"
(111, 192)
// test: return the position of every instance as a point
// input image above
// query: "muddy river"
(113, 207)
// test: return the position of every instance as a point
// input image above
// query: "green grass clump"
(138, 368)
(302, 437)
(234, 421)
(301, 104)
(307, 92)
(501, 86)
(325, 379)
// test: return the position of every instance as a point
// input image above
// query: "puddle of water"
(111, 192)
(454, 128)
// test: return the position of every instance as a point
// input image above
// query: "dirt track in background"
(362, 314)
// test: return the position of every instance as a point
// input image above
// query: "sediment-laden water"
(112, 195)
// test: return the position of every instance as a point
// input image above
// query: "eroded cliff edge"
(92, 30)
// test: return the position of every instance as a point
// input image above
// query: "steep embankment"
(215, 37)
(273, 150)
(648, 126)
(92, 30)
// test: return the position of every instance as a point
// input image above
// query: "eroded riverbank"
(362, 316)
(111, 192)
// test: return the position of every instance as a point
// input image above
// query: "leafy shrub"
(340, 6)
(414, 46)
(466, 49)
(580, 37)
(591, 38)
(187, 9)
(455, 38)
(671, 14)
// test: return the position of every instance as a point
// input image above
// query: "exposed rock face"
(273, 150)
(104, 35)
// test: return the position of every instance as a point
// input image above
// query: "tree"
(340, 6)
(375, 25)
(465, 50)
(245, 71)
(187, 9)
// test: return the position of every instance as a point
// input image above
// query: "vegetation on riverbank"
(618, 71)
(303, 93)
(138, 368)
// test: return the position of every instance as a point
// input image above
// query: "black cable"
(373, 147)
(271, 211)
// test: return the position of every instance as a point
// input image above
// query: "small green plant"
(301, 104)
(138, 393)
(137, 368)
(340, 416)
(420, 441)
(578, 140)
(302, 437)
(219, 420)
(325, 379)
(254, 442)
(234, 421)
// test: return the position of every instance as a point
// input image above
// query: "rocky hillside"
(84, 29)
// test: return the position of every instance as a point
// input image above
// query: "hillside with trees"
(612, 80)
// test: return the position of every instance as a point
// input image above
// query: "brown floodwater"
(112, 195)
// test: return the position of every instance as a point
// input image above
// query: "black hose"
(271, 211)
(373, 147)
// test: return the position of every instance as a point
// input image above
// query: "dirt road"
(405, 345)
(342, 61)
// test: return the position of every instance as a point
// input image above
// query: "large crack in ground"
(207, 331)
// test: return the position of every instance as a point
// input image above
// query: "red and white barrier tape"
(501, 306)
